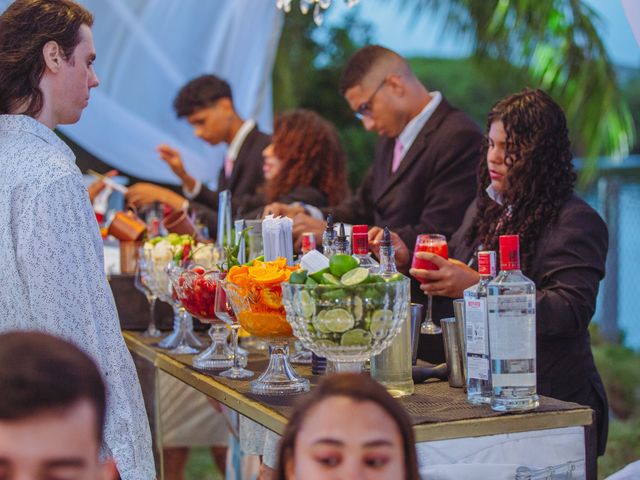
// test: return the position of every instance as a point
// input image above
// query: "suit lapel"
(242, 153)
(414, 153)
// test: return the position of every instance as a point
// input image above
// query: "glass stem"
(235, 327)
(152, 307)
(429, 308)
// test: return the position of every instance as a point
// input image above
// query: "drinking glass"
(224, 312)
(432, 243)
(142, 282)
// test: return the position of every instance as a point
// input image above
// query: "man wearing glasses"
(423, 175)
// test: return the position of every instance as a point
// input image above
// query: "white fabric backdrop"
(146, 51)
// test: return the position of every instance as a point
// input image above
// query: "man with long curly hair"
(526, 187)
(50, 248)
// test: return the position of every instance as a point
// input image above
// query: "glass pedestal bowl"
(260, 312)
(196, 290)
(347, 324)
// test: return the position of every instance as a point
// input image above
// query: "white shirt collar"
(25, 123)
(494, 194)
(411, 130)
(238, 140)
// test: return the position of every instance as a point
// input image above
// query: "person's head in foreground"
(52, 410)
(528, 164)
(305, 150)
(349, 427)
(46, 60)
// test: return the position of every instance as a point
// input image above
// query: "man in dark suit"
(206, 102)
(423, 175)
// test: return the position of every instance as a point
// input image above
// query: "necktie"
(228, 166)
(397, 155)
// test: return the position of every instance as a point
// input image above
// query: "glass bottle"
(360, 243)
(328, 238)
(341, 242)
(476, 318)
(392, 367)
(511, 302)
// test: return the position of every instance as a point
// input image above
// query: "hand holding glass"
(436, 244)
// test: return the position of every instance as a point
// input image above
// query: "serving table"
(454, 439)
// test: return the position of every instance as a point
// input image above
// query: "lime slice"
(355, 337)
(329, 279)
(341, 263)
(380, 322)
(358, 308)
(336, 320)
(379, 279)
(310, 281)
(319, 323)
(355, 276)
(395, 277)
(307, 305)
(317, 276)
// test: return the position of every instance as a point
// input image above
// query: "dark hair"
(41, 373)
(25, 27)
(199, 93)
(361, 63)
(540, 178)
(311, 155)
(359, 388)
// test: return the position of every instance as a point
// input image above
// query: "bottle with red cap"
(476, 332)
(360, 244)
(511, 302)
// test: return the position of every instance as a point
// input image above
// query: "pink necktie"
(228, 166)
(397, 155)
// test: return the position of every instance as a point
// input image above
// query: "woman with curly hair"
(526, 187)
(305, 161)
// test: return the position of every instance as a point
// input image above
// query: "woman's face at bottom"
(343, 439)
(272, 164)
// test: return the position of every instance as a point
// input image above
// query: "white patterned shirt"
(52, 276)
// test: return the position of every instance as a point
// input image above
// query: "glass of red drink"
(432, 243)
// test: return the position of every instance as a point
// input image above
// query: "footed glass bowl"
(347, 324)
(260, 312)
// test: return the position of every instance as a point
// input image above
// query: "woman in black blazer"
(526, 187)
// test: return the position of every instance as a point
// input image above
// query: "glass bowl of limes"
(348, 318)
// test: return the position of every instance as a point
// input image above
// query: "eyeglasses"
(364, 110)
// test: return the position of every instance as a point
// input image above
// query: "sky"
(395, 29)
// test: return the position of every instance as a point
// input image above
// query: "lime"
(341, 263)
(319, 324)
(328, 279)
(357, 308)
(336, 320)
(379, 279)
(380, 322)
(355, 337)
(395, 277)
(334, 294)
(307, 305)
(310, 281)
(355, 276)
(317, 276)
(298, 277)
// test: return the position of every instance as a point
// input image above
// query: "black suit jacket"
(246, 178)
(431, 189)
(567, 268)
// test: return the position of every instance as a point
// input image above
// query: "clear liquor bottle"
(476, 319)
(392, 367)
(360, 243)
(328, 238)
(512, 333)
